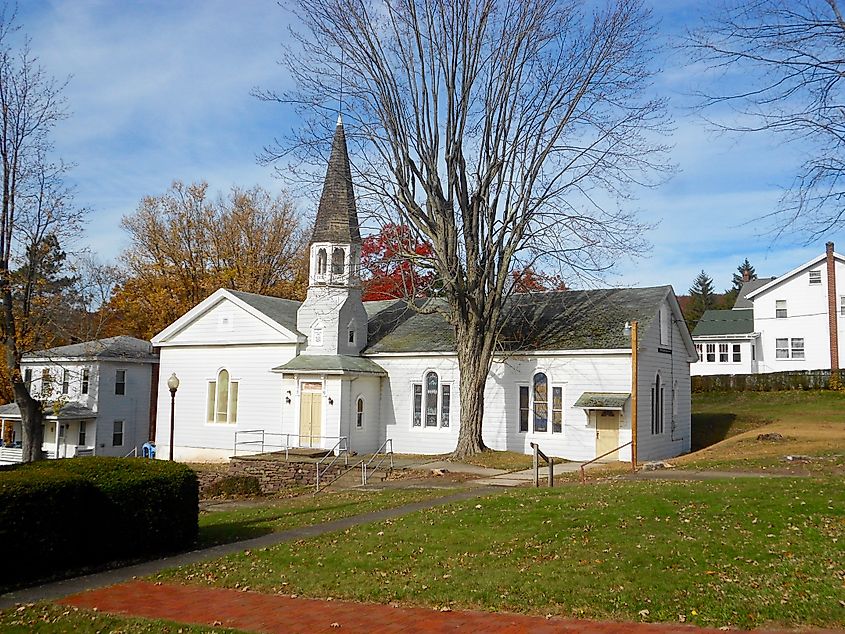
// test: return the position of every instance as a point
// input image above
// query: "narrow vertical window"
(117, 434)
(337, 261)
(86, 378)
(657, 407)
(431, 399)
(797, 348)
(222, 408)
(698, 352)
(82, 426)
(781, 348)
(322, 260)
(65, 381)
(445, 404)
(359, 413)
(737, 353)
(233, 401)
(120, 382)
(842, 305)
(723, 353)
(541, 402)
(212, 393)
(664, 325)
(417, 421)
(557, 410)
(711, 352)
(523, 408)
(780, 308)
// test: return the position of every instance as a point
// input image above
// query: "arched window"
(222, 404)
(350, 332)
(432, 402)
(657, 406)
(359, 413)
(322, 259)
(338, 257)
(541, 402)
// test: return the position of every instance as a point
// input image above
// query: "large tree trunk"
(474, 360)
(32, 430)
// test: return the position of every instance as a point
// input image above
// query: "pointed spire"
(337, 220)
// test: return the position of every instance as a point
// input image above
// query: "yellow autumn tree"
(185, 245)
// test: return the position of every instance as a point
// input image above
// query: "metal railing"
(341, 448)
(260, 441)
(549, 461)
(607, 453)
(132, 454)
(385, 451)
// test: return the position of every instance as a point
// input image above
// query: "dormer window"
(816, 277)
(338, 257)
(322, 260)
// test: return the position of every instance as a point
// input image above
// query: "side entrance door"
(607, 433)
(310, 414)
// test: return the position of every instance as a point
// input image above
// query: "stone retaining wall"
(273, 475)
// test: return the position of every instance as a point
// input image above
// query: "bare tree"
(35, 204)
(782, 65)
(487, 127)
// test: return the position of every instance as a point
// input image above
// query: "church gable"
(224, 318)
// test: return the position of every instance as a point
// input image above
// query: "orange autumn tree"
(184, 245)
(392, 265)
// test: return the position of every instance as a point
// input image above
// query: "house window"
(523, 408)
(27, 378)
(557, 410)
(359, 413)
(657, 407)
(417, 404)
(82, 426)
(723, 353)
(120, 382)
(222, 403)
(65, 381)
(117, 434)
(541, 402)
(842, 305)
(737, 353)
(46, 381)
(432, 402)
(337, 261)
(711, 352)
(816, 277)
(351, 335)
(86, 377)
(664, 326)
(797, 346)
(780, 309)
(781, 348)
(753, 351)
(698, 351)
(322, 260)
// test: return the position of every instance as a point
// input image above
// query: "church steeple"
(332, 315)
(337, 220)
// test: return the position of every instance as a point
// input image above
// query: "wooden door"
(607, 433)
(310, 416)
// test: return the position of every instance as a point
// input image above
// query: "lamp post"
(173, 384)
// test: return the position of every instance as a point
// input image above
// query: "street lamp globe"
(173, 382)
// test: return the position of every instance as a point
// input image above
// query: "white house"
(97, 395)
(778, 324)
(257, 369)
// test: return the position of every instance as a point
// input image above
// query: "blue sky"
(160, 90)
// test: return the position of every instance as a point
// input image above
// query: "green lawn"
(47, 618)
(244, 522)
(721, 553)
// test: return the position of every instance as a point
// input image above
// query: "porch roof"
(69, 411)
(330, 364)
(603, 400)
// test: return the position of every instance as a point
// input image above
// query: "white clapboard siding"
(226, 322)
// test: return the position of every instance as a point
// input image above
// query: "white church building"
(263, 372)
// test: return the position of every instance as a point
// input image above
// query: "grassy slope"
(812, 423)
(741, 553)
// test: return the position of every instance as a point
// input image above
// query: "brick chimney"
(832, 317)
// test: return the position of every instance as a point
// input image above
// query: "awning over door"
(614, 401)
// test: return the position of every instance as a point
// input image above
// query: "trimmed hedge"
(60, 515)
(231, 486)
(770, 381)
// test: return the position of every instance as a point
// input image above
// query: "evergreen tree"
(702, 298)
(745, 273)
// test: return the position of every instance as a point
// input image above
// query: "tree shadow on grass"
(709, 428)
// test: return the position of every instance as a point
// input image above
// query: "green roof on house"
(725, 322)
(330, 364)
(560, 320)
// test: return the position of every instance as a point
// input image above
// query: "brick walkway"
(275, 613)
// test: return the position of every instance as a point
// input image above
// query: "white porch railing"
(11, 455)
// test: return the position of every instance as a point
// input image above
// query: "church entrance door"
(310, 414)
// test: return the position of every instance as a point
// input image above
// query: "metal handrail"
(365, 466)
(262, 442)
(536, 462)
(341, 447)
(584, 475)
(133, 453)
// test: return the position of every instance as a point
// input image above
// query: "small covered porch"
(69, 431)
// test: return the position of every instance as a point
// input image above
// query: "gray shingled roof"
(565, 320)
(602, 400)
(332, 364)
(282, 311)
(337, 220)
(749, 287)
(725, 322)
(69, 411)
(120, 347)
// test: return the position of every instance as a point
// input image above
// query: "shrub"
(234, 485)
(59, 515)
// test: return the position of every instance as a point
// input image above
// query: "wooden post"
(536, 448)
(634, 395)
(551, 462)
